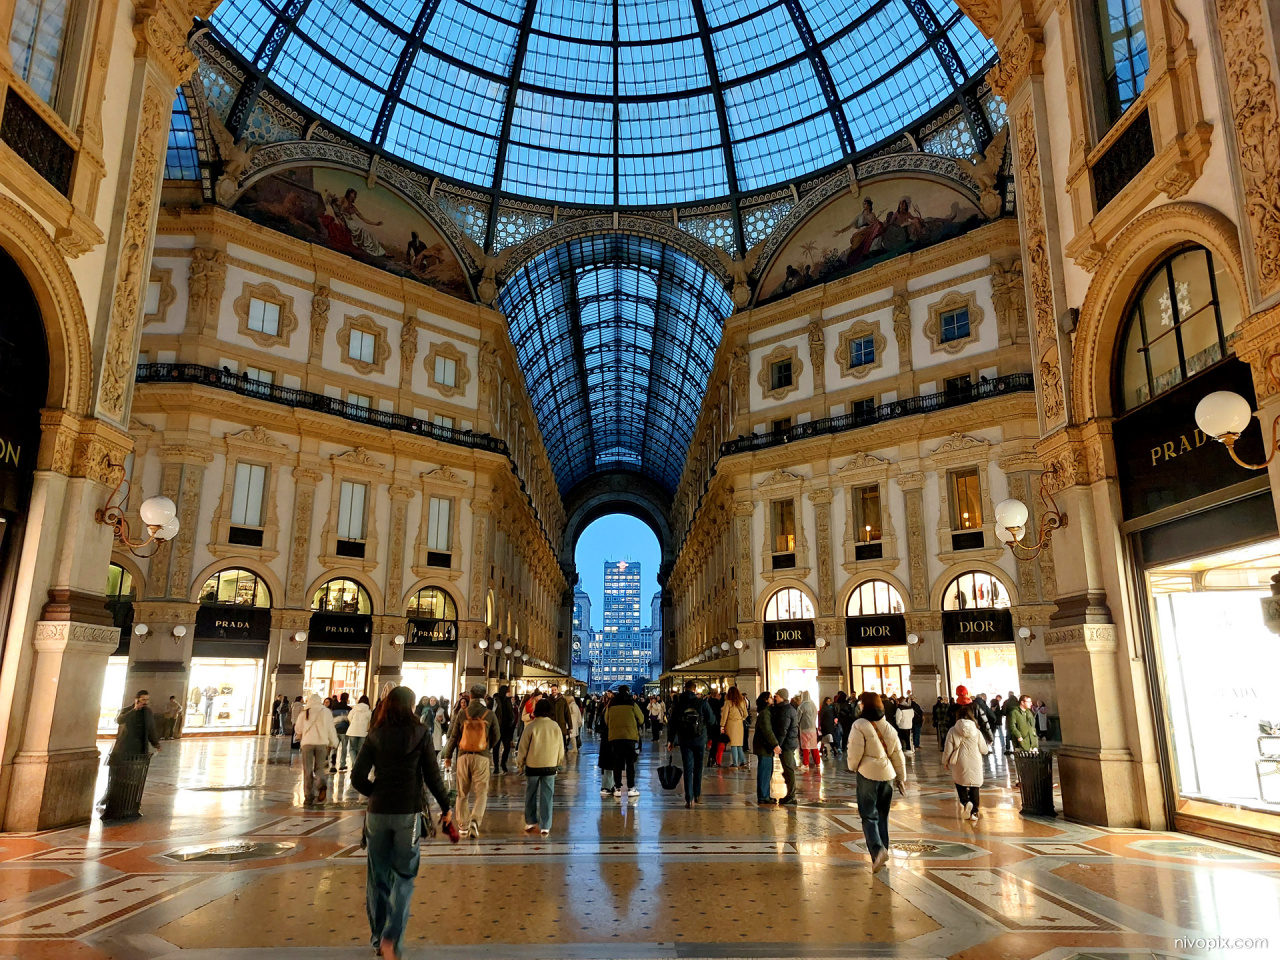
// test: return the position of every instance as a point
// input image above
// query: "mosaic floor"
(226, 864)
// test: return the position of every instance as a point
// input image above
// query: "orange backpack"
(475, 734)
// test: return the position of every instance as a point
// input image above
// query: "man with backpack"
(691, 722)
(472, 736)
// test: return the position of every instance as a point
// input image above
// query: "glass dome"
(613, 102)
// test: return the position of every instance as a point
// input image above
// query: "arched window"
(341, 596)
(120, 595)
(873, 597)
(1180, 323)
(788, 604)
(975, 589)
(236, 586)
(432, 603)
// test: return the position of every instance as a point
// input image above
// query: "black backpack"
(691, 723)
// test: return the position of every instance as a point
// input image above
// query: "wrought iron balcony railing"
(1013, 383)
(304, 399)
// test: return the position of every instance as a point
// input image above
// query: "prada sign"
(341, 628)
(433, 633)
(1162, 457)
(788, 633)
(977, 626)
(883, 630)
(232, 622)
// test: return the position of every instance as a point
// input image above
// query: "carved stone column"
(386, 656)
(818, 357)
(304, 500)
(206, 283)
(158, 661)
(821, 500)
(181, 478)
(315, 342)
(912, 486)
(400, 497)
(288, 656)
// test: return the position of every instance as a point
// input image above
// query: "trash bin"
(1035, 773)
(125, 782)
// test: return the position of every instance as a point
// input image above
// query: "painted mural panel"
(339, 210)
(888, 218)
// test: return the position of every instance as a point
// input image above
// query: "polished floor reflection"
(227, 863)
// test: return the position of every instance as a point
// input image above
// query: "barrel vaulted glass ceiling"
(616, 336)
(613, 102)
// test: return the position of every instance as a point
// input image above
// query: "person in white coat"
(575, 723)
(874, 753)
(962, 755)
(317, 734)
(903, 719)
(357, 729)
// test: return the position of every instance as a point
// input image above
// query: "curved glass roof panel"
(616, 335)
(607, 102)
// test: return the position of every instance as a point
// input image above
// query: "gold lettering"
(1155, 455)
(1186, 447)
(12, 453)
(1200, 438)
(1168, 451)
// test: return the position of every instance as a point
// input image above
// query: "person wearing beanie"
(472, 736)
(786, 729)
(979, 718)
(400, 753)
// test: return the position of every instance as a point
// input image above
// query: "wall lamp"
(158, 513)
(178, 633)
(913, 639)
(398, 640)
(140, 630)
(1224, 415)
(1025, 634)
(299, 637)
(1011, 520)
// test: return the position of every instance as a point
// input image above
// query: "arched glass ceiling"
(613, 102)
(616, 336)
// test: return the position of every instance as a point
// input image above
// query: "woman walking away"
(506, 712)
(962, 755)
(904, 718)
(605, 761)
(401, 754)
(317, 734)
(875, 755)
(733, 718)
(807, 714)
(357, 728)
(539, 757)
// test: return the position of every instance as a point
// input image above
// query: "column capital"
(1021, 52)
(1258, 345)
(160, 32)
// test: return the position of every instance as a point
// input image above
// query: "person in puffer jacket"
(875, 755)
(962, 755)
(317, 734)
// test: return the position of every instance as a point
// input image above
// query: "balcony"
(983, 390)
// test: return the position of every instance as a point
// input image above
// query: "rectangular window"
(361, 346)
(351, 499)
(957, 386)
(264, 317)
(862, 351)
(152, 304)
(438, 523)
(246, 501)
(966, 500)
(780, 375)
(36, 43)
(866, 508)
(1122, 42)
(442, 421)
(954, 324)
(258, 375)
(783, 423)
(784, 526)
(864, 409)
(358, 400)
(446, 372)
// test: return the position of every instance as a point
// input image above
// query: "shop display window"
(112, 694)
(331, 678)
(427, 679)
(796, 670)
(223, 694)
(990, 668)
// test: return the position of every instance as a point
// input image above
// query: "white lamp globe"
(157, 511)
(1223, 412)
(168, 530)
(1024, 632)
(399, 640)
(300, 636)
(738, 644)
(179, 631)
(140, 629)
(912, 639)
(1004, 535)
(725, 645)
(1011, 514)
(483, 644)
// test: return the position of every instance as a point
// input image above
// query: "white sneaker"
(546, 833)
(975, 816)
(966, 811)
(606, 793)
(530, 827)
(633, 792)
(880, 860)
(474, 829)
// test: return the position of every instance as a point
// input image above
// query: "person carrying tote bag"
(875, 755)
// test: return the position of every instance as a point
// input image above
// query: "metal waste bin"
(125, 782)
(1035, 773)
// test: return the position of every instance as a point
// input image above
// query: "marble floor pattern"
(227, 864)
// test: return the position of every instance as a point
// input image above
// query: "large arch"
(618, 492)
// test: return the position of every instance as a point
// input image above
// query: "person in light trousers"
(539, 758)
(317, 734)
(400, 752)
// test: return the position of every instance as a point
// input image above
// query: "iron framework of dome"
(613, 103)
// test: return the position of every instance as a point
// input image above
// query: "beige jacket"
(541, 745)
(874, 751)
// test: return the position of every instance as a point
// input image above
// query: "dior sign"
(789, 633)
(977, 626)
(876, 631)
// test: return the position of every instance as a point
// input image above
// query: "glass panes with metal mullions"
(182, 160)
(975, 589)
(789, 603)
(351, 510)
(954, 324)
(341, 596)
(1122, 41)
(247, 494)
(873, 598)
(236, 586)
(615, 102)
(862, 352)
(37, 41)
(1182, 321)
(432, 603)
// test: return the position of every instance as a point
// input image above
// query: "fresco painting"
(339, 210)
(887, 219)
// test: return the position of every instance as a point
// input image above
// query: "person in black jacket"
(692, 722)
(765, 746)
(402, 755)
(786, 729)
(506, 712)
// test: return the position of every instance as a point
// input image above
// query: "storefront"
(876, 638)
(339, 641)
(431, 645)
(977, 632)
(1201, 530)
(790, 647)
(228, 661)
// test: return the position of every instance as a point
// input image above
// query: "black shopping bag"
(669, 775)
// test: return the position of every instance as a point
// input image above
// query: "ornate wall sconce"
(158, 513)
(1011, 519)
(1025, 635)
(299, 636)
(140, 630)
(1224, 415)
(398, 640)
(913, 639)
(178, 633)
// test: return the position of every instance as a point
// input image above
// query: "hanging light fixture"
(159, 514)
(1224, 415)
(1011, 520)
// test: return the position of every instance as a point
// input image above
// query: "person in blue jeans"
(875, 755)
(690, 722)
(765, 746)
(539, 758)
(401, 754)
